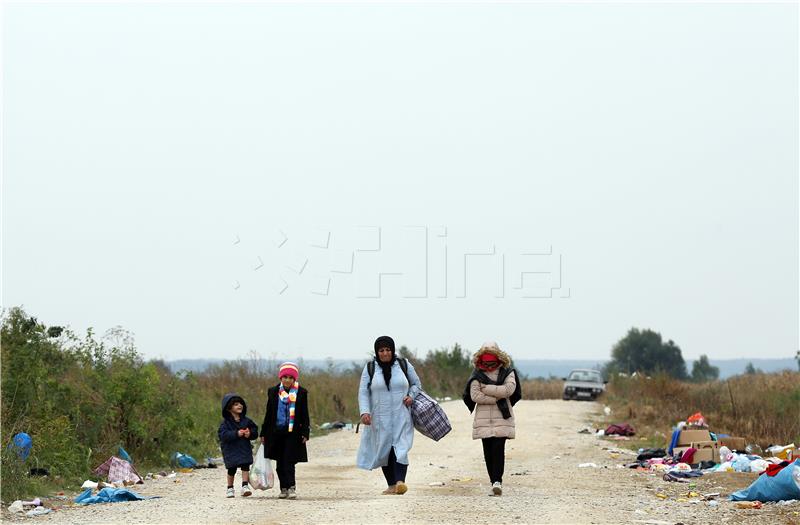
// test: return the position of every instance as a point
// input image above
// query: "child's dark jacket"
(236, 450)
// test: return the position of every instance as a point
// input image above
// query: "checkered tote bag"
(429, 418)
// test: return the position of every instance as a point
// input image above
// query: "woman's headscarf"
(385, 341)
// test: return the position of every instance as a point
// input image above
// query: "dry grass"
(542, 389)
(762, 408)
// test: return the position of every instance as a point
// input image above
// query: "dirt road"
(543, 484)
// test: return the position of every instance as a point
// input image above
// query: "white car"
(583, 383)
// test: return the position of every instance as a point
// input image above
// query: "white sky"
(652, 150)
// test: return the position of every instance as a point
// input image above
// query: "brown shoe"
(401, 488)
(391, 489)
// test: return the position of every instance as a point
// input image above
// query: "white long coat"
(391, 419)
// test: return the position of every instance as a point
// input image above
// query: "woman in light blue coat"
(384, 401)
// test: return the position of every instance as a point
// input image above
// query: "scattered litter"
(461, 479)
(16, 507)
(109, 495)
(170, 475)
(713, 503)
(661, 495)
(38, 511)
(587, 465)
(21, 443)
(436, 484)
(586, 430)
(607, 410)
(749, 505)
(116, 469)
(556, 457)
(521, 473)
(36, 502)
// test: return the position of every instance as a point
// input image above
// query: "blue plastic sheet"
(123, 454)
(109, 495)
(182, 460)
(781, 486)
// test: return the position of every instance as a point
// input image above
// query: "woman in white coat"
(384, 401)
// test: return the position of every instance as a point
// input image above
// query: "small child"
(286, 427)
(235, 433)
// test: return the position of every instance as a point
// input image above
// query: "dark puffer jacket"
(236, 450)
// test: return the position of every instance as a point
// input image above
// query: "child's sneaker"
(284, 494)
(497, 488)
(246, 490)
(230, 493)
(292, 493)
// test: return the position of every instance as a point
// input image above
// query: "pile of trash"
(35, 508)
(694, 451)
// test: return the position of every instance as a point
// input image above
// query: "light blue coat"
(391, 419)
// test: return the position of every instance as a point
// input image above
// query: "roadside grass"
(762, 408)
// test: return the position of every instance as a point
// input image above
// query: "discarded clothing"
(682, 477)
(784, 485)
(623, 429)
(108, 495)
(773, 469)
(688, 455)
(117, 469)
(651, 453)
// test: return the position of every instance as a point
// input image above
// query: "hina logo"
(408, 262)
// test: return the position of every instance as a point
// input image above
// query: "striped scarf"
(291, 398)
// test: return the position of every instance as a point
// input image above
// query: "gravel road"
(542, 484)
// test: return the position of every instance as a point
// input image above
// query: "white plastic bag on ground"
(261, 475)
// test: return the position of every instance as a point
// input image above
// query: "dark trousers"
(494, 454)
(245, 468)
(284, 463)
(394, 471)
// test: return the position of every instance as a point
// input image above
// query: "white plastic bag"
(261, 475)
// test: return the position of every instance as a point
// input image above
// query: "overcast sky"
(299, 179)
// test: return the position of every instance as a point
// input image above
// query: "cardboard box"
(706, 451)
(734, 443)
(688, 437)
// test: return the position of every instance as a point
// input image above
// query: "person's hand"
(247, 432)
(407, 401)
(366, 419)
(263, 440)
(240, 432)
(303, 439)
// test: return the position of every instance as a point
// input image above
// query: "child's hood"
(227, 399)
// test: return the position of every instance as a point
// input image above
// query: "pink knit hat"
(289, 369)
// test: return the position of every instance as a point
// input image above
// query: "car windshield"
(585, 375)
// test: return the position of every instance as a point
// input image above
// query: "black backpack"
(402, 361)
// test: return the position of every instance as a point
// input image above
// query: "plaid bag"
(429, 418)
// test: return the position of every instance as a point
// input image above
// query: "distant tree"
(797, 356)
(405, 353)
(644, 351)
(702, 370)
(751, 370)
